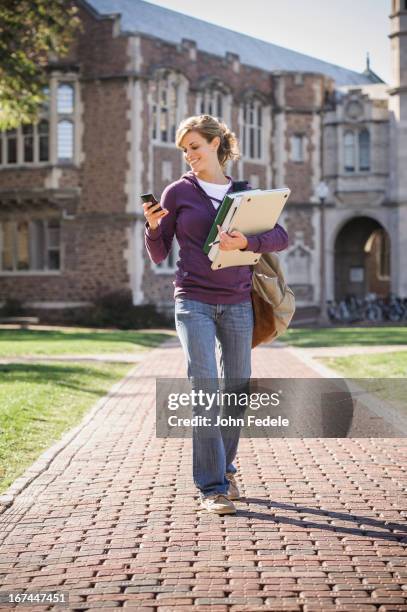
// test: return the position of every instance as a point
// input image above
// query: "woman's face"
(200, 154)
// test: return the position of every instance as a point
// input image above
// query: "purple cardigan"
(191, 215)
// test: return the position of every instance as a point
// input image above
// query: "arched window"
(364, 150)
(349, 151)
(65, 100)
(252, 144)
(65, 129)
(166, 94)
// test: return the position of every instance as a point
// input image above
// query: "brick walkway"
(112, 521)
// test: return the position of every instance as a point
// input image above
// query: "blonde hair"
(209, 127)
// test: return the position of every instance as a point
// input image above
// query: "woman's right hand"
(153, 214)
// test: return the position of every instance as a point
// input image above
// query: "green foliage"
(32, 33)
(116, 309)
(12, 308)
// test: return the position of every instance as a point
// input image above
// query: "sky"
(338, 31)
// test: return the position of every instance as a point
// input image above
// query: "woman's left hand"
(231, 241)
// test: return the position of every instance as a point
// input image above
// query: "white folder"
(250, 214)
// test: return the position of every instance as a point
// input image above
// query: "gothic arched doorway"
(362, 259)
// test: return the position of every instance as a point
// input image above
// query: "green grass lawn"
(23, 342)
(346, 336)
(373, 369)
(385, 365)
(39, 402)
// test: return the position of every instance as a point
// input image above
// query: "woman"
(209, 305)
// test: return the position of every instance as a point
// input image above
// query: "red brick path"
(113, 519)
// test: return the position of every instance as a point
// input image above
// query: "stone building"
(71, 226)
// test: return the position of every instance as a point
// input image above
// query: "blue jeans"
(199, 326)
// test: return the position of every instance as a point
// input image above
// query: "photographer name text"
(248, 421)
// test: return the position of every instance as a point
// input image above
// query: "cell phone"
(149, 197)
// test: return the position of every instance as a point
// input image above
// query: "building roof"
(142, 17)
(375, 91)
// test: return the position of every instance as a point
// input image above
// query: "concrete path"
(303, 353)
(135, 357)
(110, 518)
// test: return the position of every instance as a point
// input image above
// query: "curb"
(387, 413)
(321, 369)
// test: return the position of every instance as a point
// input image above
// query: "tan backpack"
(273, 300)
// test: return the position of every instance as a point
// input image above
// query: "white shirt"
(214, 190)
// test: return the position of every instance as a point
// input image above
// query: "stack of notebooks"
(250, 212)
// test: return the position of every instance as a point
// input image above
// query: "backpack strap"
(240, 186)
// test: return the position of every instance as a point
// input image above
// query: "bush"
(116, 309)
(12, 308)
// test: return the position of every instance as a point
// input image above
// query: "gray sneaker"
(217, 504)
(233, 492)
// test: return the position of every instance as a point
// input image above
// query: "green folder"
(220, 217)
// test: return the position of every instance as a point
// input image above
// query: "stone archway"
(362, 259)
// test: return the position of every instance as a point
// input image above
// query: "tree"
(30, 32)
